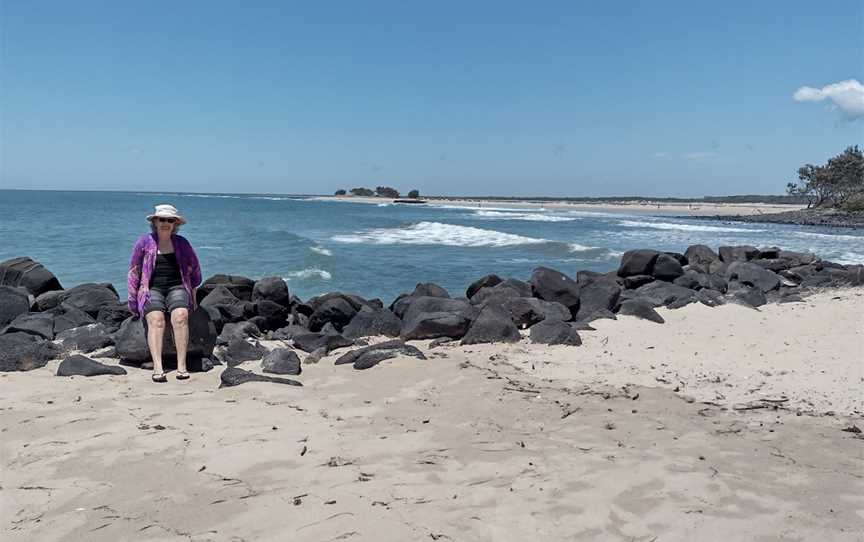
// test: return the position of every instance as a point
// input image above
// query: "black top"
(167, 273)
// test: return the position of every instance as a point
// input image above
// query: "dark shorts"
(167, 300)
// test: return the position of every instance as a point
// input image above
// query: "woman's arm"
(133, 277)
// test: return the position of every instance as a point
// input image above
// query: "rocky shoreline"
(41, 321)
(802, 217)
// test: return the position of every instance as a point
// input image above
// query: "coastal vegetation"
(838, 184)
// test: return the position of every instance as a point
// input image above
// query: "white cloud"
(847, 96)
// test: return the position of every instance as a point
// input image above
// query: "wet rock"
(555, 332)
(234, 376)
(641, 309)
(79, 365)
(281, 361)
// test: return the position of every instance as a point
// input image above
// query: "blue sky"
(464, 98)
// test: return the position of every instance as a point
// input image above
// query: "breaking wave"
(321, 250)
(682, 227)
(436, 233)
(512, 215)
(310, 273)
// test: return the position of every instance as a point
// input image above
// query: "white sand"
(643, 207)
(506, 442)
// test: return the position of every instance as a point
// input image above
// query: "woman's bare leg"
(180, 325)
(155, 336)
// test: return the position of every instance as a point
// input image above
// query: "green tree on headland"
(387, 192)
(340, 192)
(838, 183)
(362, 192)
(414, 194)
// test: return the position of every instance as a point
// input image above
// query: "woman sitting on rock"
(163, 276)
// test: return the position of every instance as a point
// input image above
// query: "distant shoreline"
(695, 208)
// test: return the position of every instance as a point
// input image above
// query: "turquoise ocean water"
(368, 249)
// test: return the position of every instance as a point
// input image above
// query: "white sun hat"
(166, 211)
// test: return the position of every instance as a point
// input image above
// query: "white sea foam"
(683, 227)
(309, 273)
(849, 258)
(436, 233)
(321, 250)
(831, 236)
(576, 247)
(206, 247)
(512, 215)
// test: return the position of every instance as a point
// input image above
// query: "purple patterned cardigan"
(143, 261)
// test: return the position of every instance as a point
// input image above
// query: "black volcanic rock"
(667, 268)
(131, 339)
(637, 262)
(234, 376)
(550, 285)
(555, 332)
(746, 295)
(663, 293)
(281, 361)
(85, 338)
(242, 330)
(28, 274)
(492, 325)
(240, 350)
(13, 303)
(79, 365)
(272, 289)
(240, 287)
(111, 316)
(483, 282)
(337, 311)
(25, 352)
(741, 253)
(369, 356)
(89, 298)
(753, 275)
(371, 322)
(312, 341)
(432, 325)
(641, 309)
(68, 317)
(701, 255)
(599, 294)
(40, 324)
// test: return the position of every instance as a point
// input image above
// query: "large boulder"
(13, 303)
(89, 298)
(740, 253)
(432, 325)
(272, 289)
(241, 330)
(484, 282)
(79, 365)
(111, 316)
(427, 304)
(753, 275)
(312, 341)
(640, 309)
(527, 311)
(484, 295)
(25, 352)
(40, 324)
(130, 340)
(230, 307)
(748, 296)
(555, 332)
(667, 267)
(240, 350)
(700, 255)
(637, 262)
(337, 311)
(429, 289)
(663, 293)
(85, 338)
(601, 294)
(371, 322)
(270, 315)
(28, 274)
(281, 361)
(492, 325)
(49, 300)
(551, 285)
(635, 281)
(68, 317)
(240, 287)
(234, 376)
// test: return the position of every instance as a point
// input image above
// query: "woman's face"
(164, 225)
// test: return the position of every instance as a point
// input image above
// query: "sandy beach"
(648, 206)
(722, 424)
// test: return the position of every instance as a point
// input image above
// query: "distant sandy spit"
(646, 207)
(722, 424)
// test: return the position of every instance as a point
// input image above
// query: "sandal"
(159, 377)
(182, 375)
